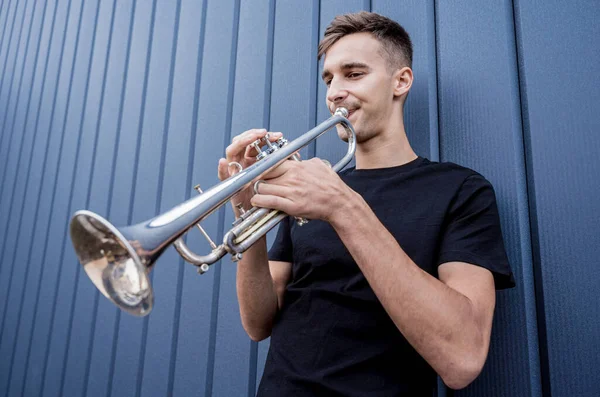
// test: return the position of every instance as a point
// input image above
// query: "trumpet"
(118, 261)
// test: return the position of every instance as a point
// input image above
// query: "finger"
(249, 132)
(280, 170)
(222, 171)
(272, 202)
(264, 188)
(239, 143)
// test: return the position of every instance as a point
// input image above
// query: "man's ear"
(403, 79)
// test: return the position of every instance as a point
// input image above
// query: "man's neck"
(387, 150)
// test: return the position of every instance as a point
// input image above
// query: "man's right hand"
(240, 152)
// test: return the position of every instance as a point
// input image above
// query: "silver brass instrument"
(118, 261)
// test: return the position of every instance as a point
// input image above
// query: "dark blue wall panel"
(97, 370)
(190, 359)
(559, 62)
(123, 106)
(9, 77)
(480, 127)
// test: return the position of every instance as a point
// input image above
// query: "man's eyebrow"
(346, 66)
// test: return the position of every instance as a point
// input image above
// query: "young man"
(393, 279)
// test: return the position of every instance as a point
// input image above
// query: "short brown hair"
(394, 40)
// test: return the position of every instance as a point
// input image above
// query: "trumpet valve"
(261, 154)
(240, 208)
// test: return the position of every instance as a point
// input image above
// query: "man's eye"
(327, 83)
(354, 74)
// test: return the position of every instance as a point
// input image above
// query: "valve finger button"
(256, 186)
(236, 165)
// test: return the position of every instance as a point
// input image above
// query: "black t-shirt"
(332, 336)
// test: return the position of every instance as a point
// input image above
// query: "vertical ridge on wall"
(126, 371)
(234, 351)
(531, 195)
(12, 154)
(97, 361)
(27, 219)
(9, 100)
(144, 333)
(3, 133)
(435, 141)
(480, 129)
(162, 325)
(9, 154)
(6, 98)
(191, 370)
(12, 49)
(76, 360)
(253, 376)
(94, 312)
(36, 322)
(53, 186)
(179, 273)
(6, 193)
(436, 149)
(12, 218)
(562, 120)
(314, 70)
(4, 53)
(315, 78)
(533, 298)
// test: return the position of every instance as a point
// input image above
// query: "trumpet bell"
(112, 263)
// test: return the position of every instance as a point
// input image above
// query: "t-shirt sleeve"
(281, 250)
(473, 234)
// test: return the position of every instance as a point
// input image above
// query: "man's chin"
(342, 134)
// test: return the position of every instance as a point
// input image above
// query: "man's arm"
(260, 289)
(448, 321)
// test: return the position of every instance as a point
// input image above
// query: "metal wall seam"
(73, 319)
(110, 196)
(178, 292)
(435, 141)
(536, 331)
(22, 211)
(434, 103)
(52, 195)
(544, 361)
(8, 96)
(7, 154)
(253, 379)
(141, 358)
(221, 212)
(23, 56)
(34, 316)
(2, 37)
(189, 175)
(94, 316)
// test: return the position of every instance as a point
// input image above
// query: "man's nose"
(336, 93)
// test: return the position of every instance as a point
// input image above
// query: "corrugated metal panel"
(559, 66)
(122, 106)
(480, 127)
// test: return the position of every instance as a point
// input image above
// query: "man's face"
(358, 78)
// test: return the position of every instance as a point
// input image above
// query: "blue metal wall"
(122, 106)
